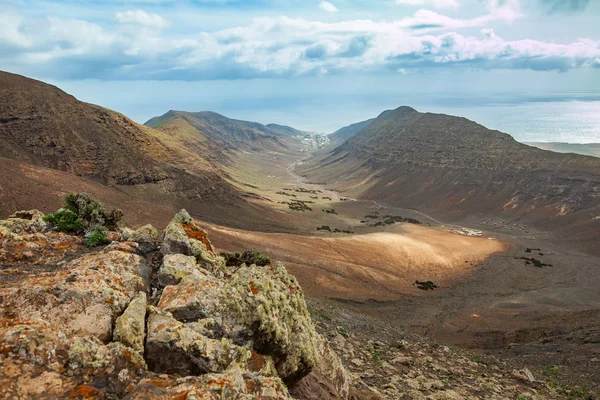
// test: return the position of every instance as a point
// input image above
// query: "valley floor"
(509, 290)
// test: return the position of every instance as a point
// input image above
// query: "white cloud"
(139, 17)
(281, 46)
(433, 3)
(327, 6)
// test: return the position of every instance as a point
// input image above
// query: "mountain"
(456, 168)
(347, 132)
(286, 130)
(586, 149)
(42, 127)
(214, 134)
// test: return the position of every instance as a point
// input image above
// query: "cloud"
(139, 17)
(565, 5)
(433, 3)
(327, 6)
(62, 48)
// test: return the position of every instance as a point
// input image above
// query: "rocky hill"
(43, 127)
(215, 134)
(455, 168)
(140, 315)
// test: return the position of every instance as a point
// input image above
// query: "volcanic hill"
(456, 168)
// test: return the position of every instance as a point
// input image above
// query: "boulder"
(196, 297)
(25, 221)
(175, 267)
(173, 348)
(131, 325)
(146, 237)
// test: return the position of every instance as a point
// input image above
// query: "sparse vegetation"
(332, 211)
(286, 194)
(534, 261)
(324, 228)
(303, 190)
(248, 257)
(299, 205)
(390, 219)
(326, 198)
(426, 285)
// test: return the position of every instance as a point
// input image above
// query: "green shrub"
(96, 239)
(248, 257)
(66, 221)
(82, 213)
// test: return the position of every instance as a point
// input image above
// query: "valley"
(507, 292)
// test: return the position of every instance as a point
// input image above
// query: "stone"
(173, 348)
(195, 297)
(146, 237)
(130, 326)
(183, 236)
(524, 375)
(175, 267)
(25, 221)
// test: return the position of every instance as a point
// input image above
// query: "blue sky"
(313, 64)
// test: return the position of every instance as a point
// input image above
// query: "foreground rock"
(75, 322)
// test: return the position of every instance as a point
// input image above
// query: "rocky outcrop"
(77, 322)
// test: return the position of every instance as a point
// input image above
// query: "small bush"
(248, 257)
(82, 213)
(96, 239)
(428, 285)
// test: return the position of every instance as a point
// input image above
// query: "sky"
(317, 65)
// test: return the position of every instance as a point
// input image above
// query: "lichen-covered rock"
(125, 233)
(268, 304)
(146, 237)
(328, 379)
(196, 297)
(25, 251)
(229, 385)
(173, 348)
(175, 267)
(35, 220)
(23, 222)
(82, 297)
(183, 236)
(130, 326)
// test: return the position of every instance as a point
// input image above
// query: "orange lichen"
(85, 392)
(256, 362)
(180, 396)
(253, 288)
(193, 232)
